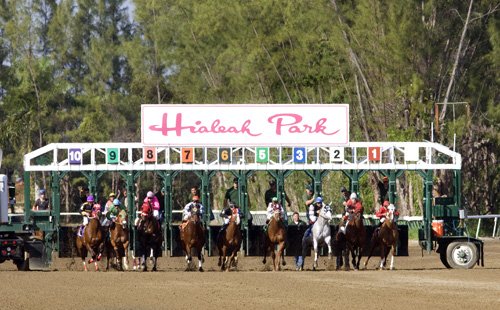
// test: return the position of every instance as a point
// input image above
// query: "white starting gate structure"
(131, 159)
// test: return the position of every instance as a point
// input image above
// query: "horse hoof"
(154, 269)
(200, 269)
(264, 261)
(283, 263)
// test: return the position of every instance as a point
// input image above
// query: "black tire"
(462, 255)
(444, 259)
(23, 265)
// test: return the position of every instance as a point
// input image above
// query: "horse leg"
(360, 254)
(155, 259)
(223, 265)
(393, 253)
(273, 256)
(282, 253)
(373, 245)
(315, 247)
(347, 266)
(200, 259)
(266, 248)
(328, 241)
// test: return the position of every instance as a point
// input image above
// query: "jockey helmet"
(318, 200)
(309, 188)
(196, 198)
(385, 179)
(112, 194)
(90, 198)
(150, 194)
(235, 180)
(386, 203)
(232, 205)
(392, 207)
(354, 196)
(275, 199)
(116, 202)
(343, 189)
(272, 182)
(42, 192)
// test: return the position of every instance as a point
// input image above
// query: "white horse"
(321, 234)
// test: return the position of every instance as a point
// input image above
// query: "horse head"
(149, 224)
(195, 215)
(277, 216)
(326, 212)
(235, 217)
(122, 218)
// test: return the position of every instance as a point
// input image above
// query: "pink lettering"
(292, 123)
(198, 127)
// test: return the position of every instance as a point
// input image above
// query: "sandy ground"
(418, 283)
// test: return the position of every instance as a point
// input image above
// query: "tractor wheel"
(23, 265)
(461, 255)
(444, 259)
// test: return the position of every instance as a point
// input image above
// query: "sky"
(131, 8)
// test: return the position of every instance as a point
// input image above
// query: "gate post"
(428, 210)
(56, 205)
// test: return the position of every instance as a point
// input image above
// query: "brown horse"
(91, 242)
(230, 243)
(276, 236)
(150, 240)
(386, 238)
(355, 237)
(119, 240)
(193, 237)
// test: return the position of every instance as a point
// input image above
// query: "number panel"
(225, 155)
(149, 155)
(299, 155)
(262, 155)
(374, 154)
(75, 156)
(337, 154)
(113, 155)
(187, 155)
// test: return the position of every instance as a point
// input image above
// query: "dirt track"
(419, 282)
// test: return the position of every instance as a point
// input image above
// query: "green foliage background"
(78, 71)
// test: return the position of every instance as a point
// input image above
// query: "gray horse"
(321, 234)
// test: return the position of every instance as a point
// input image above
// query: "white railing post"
(478, 226)
(495, 227)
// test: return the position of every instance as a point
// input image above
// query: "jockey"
(107, 206)
(353, 206)
(313, 213)
(382, 212)
(226, 214)
(89, 210)
(114, 210)
(152, 200)
(274, 206)
(186, 213)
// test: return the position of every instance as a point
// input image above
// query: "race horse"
(385, 238)
(193, 237)
(150, 240)
(119, 240)
(91, 242)
(275, 237)
(230, 243)
(321, 235)
(355, 238)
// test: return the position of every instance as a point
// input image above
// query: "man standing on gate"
(232, 196)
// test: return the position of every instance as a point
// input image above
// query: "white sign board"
(245, 125)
